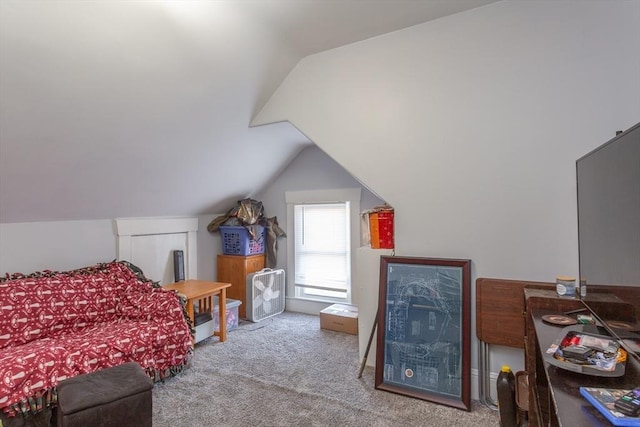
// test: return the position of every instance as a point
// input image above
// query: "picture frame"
(424, 320)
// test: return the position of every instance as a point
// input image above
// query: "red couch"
(58, 325)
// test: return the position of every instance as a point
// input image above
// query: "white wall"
(312, 169)
(470, 126)
(209, 246)
(59, 245)
(65, 245)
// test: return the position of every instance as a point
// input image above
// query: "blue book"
(603, 399)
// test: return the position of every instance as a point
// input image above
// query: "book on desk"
(603, 400)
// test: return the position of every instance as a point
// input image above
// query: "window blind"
(322, 246)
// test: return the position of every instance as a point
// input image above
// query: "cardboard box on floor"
(341, 318)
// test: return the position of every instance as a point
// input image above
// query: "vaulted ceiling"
(142, 108)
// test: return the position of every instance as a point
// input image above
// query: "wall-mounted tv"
(608, 183)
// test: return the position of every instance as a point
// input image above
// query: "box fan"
(265, 294)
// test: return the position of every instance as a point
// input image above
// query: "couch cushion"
(35, 308)
(30, 368)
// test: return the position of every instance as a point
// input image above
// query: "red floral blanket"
(58, 325)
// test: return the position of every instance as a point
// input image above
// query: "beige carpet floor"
(286, 371)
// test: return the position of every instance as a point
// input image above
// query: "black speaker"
(178, 265)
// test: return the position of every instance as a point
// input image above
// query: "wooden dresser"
(509, 313)
(554, 393)
(234, 269)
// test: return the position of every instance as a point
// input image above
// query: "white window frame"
(351, 195)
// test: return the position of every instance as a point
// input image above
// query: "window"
(321, 228)
(322, 250)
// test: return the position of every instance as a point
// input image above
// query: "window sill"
(303, 305)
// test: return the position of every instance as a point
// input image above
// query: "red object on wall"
(381, 229)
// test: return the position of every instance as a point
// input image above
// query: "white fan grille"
(265, 294)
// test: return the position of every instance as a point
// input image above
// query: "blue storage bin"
(236, 240)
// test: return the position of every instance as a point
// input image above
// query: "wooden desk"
(204, 291)
(554, 393)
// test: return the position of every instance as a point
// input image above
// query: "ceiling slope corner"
(272, 112)
(280, 105)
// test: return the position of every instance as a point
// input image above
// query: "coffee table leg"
(192, 316)
(190, 311)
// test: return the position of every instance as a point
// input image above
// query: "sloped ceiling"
(142, 108)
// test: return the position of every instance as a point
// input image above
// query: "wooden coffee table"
(203, 291)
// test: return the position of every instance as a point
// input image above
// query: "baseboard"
(306, 306)
(475, 385)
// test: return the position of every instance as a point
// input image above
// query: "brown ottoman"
(119, 396)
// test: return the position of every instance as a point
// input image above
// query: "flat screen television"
(608, 190)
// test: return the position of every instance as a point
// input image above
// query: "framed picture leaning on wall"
(424, 318)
